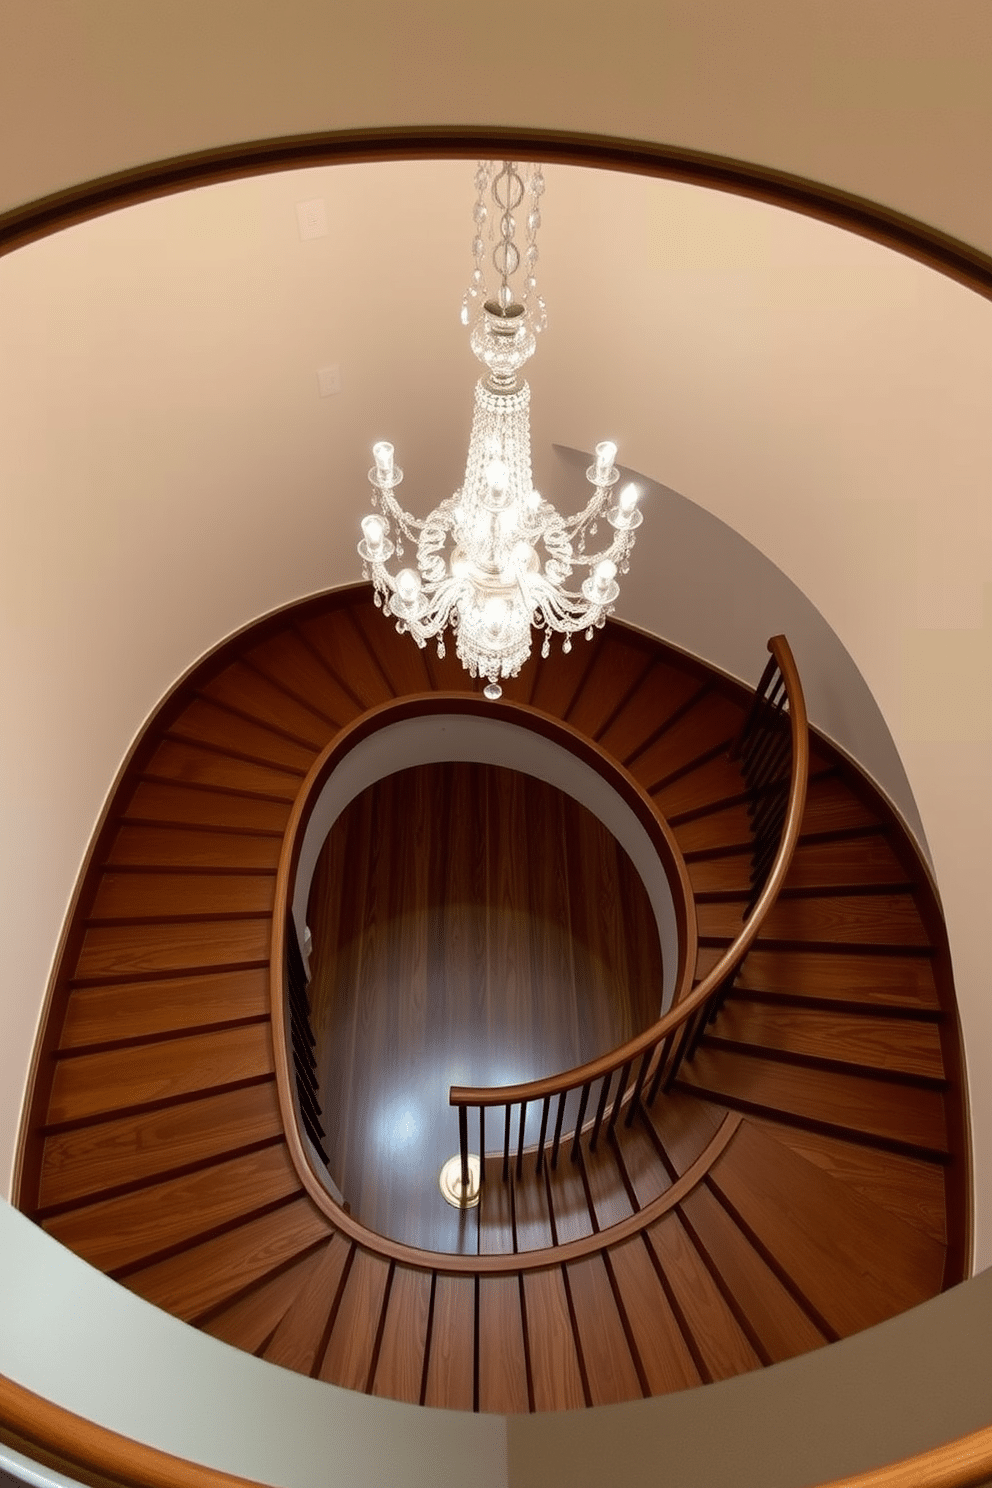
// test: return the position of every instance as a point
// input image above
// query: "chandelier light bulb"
(408, 586)
(602, 578)
(495, 561)
(373, 529)
(606, 453)
(382, 453)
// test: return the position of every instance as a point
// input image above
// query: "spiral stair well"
(777, 1163)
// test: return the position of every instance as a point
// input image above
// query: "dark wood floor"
(471, 925)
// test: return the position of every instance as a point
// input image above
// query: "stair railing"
(301, 1042)
(774, 750)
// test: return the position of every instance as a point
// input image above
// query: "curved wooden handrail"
(411, 706)
(585, 1075)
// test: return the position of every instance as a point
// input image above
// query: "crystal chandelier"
(496, 560)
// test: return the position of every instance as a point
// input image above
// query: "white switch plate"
(312, 218)
(329, 380)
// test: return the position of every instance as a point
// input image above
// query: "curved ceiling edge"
(917, 240)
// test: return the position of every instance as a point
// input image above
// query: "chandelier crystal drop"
(495, 561)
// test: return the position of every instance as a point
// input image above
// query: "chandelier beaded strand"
(495, 561)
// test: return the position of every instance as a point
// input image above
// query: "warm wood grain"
(199, 1279)
(246, 691)
(662, 693)
(778, 1327)
(465, 918)
(403, 666)
(288, 661)
(196, 764)
(116, 1233)
(451, 1362)
(192, 847)
(136, 1010)
(532, 1219)
(883, 1109)
(722, 1348)
(910, 1188)
(400, 1368)
(88, 1084)
(298, 1342)
(853, 1260)
(502, 1362)
(717, 779)
(841, 919)
(609, 1197)
(609, 1365)
(87, 1160)
(555, 1371)
(841, 976)
(139, 896)
(661, 1347)
(713, 719)
(204, 721)
(619, 664)
(341, 647)
(187, 805)
(863, 1040)
(186, 945)
(350, 1354)
(252, 1319)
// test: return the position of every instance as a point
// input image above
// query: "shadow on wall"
(707, 575)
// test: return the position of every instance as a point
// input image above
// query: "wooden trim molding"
(917, 240)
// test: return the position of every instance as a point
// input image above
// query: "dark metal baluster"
(463, 1144)
(520, 1138)
(482, 1144)
(545, 1112)
(639, 1085)
(506, 1145)
(583, 1102)
(618, 1098)
(563, 1097)
(604, 1096)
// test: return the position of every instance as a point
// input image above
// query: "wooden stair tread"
(609, 1365)
(342, 649)
(712, 780)
(403, 666)
(861, 1039)
(250, 1321)
(502, 1352)
(298, 1341)
(209, 722)
(842, 919)
(260, 700)
(662, 1352)
(556, 1373)
(147, 895)
(777, 1326)
(864, 859)
(664, 690)
(87, 1085)
(618, 666)
(828, 1240)
(712, 719)
(202, 1277)
(842, 976)
(186, 805)
(909, 1187)
(116, 1233)
(451, 1361)
(350, 1354)
(170, 847)
(125, 1011)
(880, 1109)
(86, 1160)
(723, 1349)
(130, 950)
(193, 764)
(399, 1372)
(289, 662)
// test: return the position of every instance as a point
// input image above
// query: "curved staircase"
(805, 1178)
